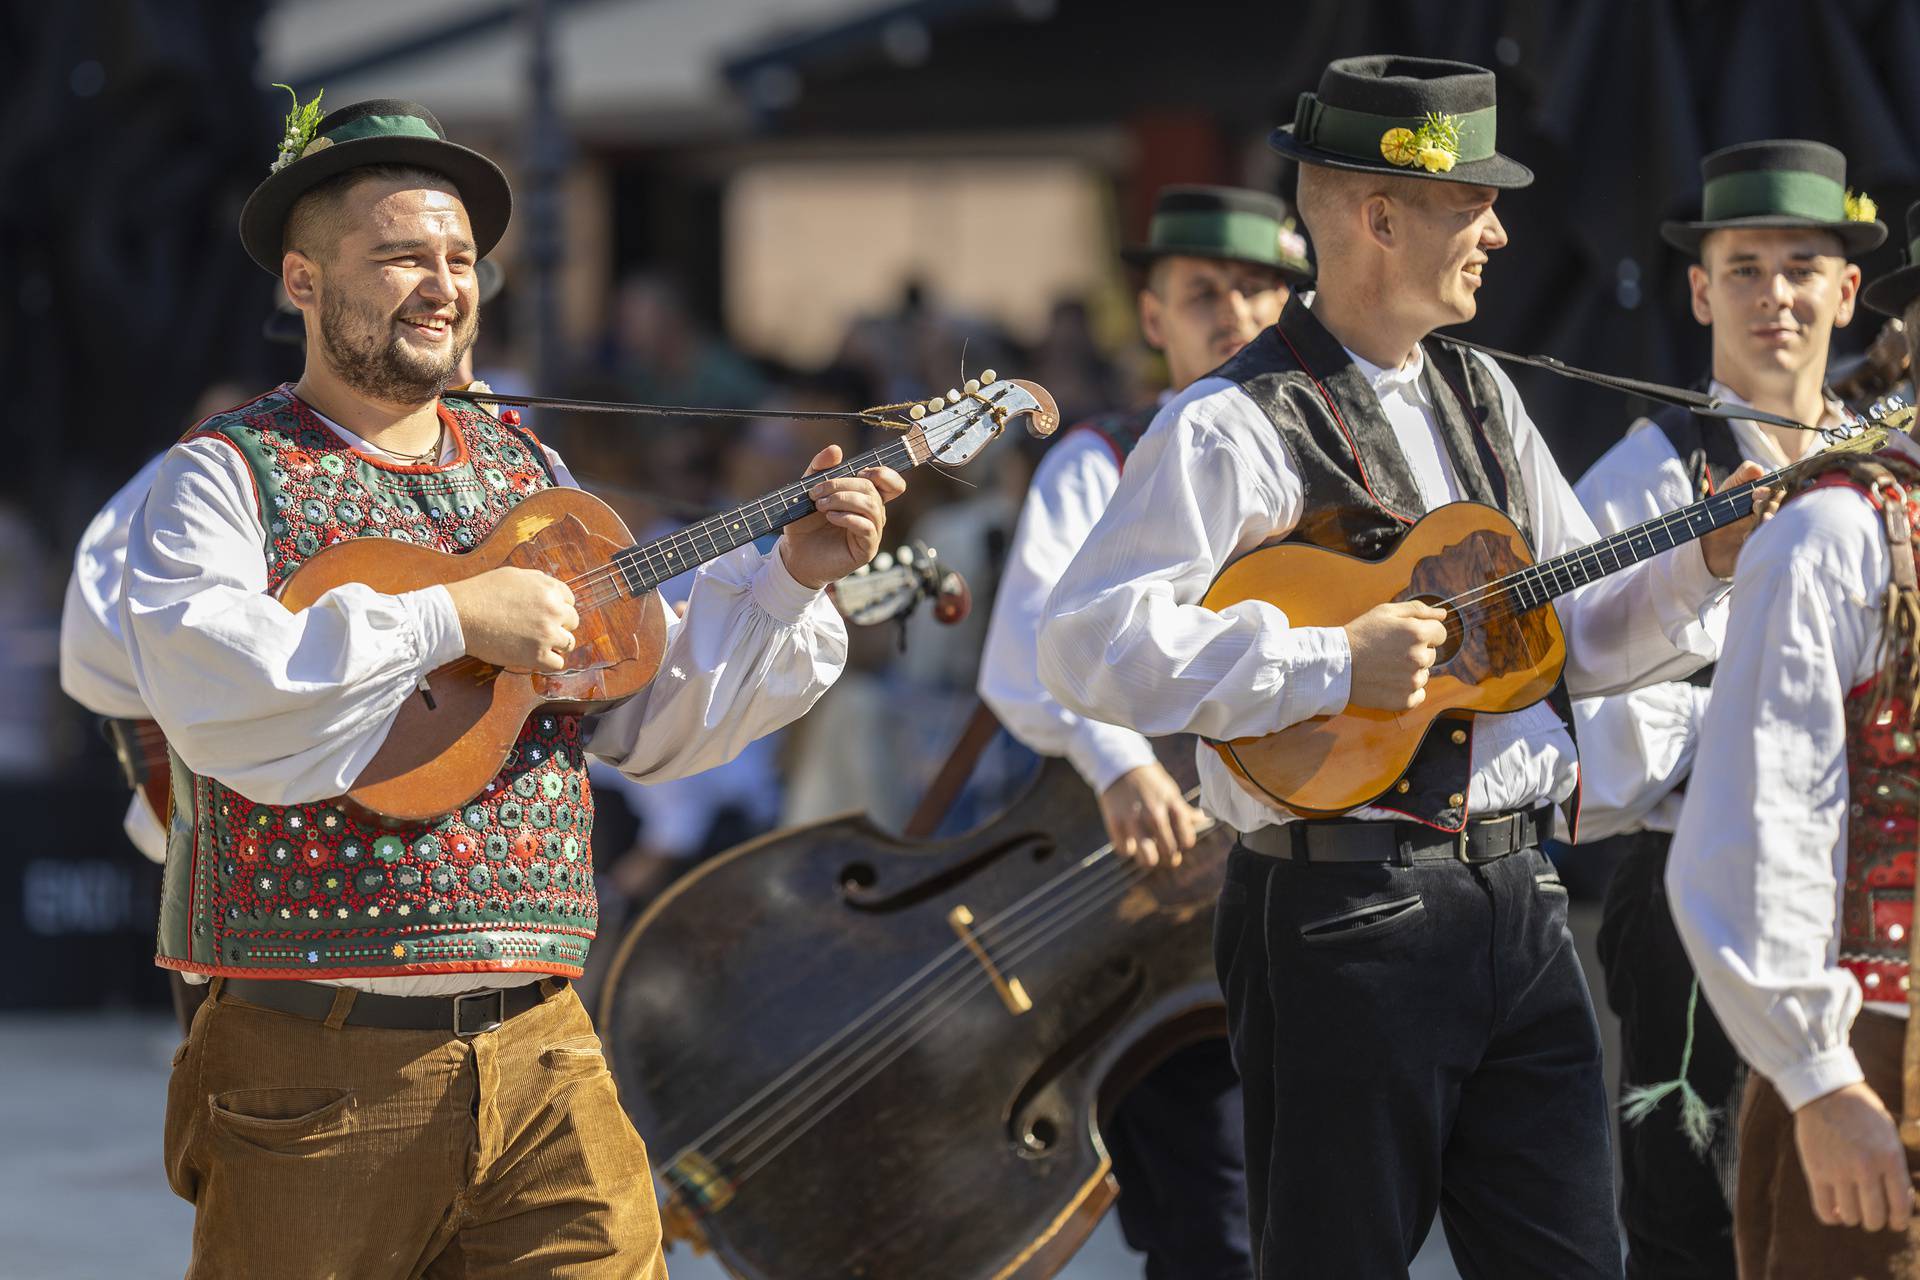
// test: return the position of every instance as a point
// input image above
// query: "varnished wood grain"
(1330, 764)
(919, 1171)
(449, 741)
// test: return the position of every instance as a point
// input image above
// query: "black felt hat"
(1412, 117)
(1892, 294)
(1228, 223)
(1779, 182)
(287, 325)
(379, 131)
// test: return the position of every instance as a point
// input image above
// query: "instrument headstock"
(895, 584)
(953, 428)
(1882, 420)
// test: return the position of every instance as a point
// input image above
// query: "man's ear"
(300, 277)
(1377, 219)
(1849, 295)
(1151, 330)
(1697, 282)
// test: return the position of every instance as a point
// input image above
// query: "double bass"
(859, 1054)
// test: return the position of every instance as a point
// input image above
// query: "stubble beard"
(361, 347)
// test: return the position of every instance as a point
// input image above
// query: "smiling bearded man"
(391, 1076)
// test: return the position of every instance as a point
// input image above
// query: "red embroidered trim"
(422, 969)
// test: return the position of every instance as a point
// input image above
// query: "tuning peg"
(861, 571)
(936, 404)
(973, 386)
(953, 396)
(987, 376)
(918, 412)
(930, 553)
(883, 561)
(904, 555)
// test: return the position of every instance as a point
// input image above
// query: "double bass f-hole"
(860, 886)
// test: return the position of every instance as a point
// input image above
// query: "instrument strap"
(1710, 406)
(953, 775)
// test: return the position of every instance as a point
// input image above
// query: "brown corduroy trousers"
(1775, 1233)
(323, 1149)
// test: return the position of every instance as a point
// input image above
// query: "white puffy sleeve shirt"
(1757, 866)
(1071, 487)
(1126, 640)
(288, 708)
(94, 669)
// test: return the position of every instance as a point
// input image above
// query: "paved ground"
(82, 1196)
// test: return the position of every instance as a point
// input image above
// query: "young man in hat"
(1407, 1012)
(391, 1076)
(1219, 264)
(1772, 281)
(1791, 876)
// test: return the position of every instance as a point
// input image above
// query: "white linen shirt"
(1636, 748)
(94, 670)
(288, 708)
(1757, 867)
(1071, 487)
(1126, 641)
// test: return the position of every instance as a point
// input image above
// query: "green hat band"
(1358, 133)
(1760, 193)
(1225, 233)
(383, 127)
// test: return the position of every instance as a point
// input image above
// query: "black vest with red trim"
(1121, 430)
(1360, 496)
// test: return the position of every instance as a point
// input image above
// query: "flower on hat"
(298, 132)
(1434, 146)
(1398, 147)
(1860, 207)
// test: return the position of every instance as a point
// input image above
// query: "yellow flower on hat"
(1435, 159)
(1397, 146)
(1860, 207)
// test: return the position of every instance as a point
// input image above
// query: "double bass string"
(1013, 930)
(925, 1018)
(889, 1009)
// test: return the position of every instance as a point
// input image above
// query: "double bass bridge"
(1011, 993)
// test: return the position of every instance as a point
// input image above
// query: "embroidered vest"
(1883, 769)
(1361, 496)
(319, 890)
(1121, 430)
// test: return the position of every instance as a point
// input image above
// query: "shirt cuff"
(437, 624)
(1818, 1076)
(1104, 753)
(1316, 674)
(778, 593)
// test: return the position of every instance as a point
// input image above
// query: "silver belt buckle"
(499, 998)
(1461, 847)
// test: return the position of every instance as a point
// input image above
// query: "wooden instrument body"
(450, 739)
(976, 1152)
(1503, 662)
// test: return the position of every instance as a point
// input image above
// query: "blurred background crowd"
(799, 204)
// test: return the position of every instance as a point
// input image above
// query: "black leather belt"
(1403, 843)
(462, 1016)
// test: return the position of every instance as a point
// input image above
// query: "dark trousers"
(1415, 1039)
(1180, 1157)
(1671, 1199)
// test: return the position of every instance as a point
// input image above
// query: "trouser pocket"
(1368, 920)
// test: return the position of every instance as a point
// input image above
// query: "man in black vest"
(1220, 263)
(1772, 281)
(1406, 1009)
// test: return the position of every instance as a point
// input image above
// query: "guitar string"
(934, 1017)
(1046, 897)
(804, 1073)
